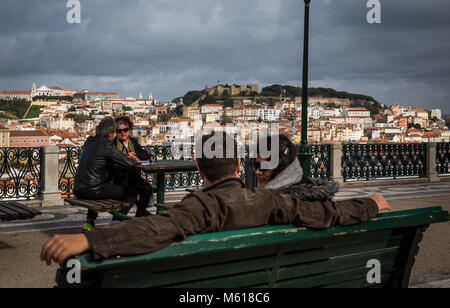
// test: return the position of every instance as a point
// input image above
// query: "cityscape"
(66, 117)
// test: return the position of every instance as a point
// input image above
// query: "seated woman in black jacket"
(129, 177)
(93, 179)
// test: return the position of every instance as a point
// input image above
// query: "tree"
(16, 108)
(164, 117)
(191, 96)
(228, 102)
(179, 110)
(209, 99)
(414, 126)
(81, 118)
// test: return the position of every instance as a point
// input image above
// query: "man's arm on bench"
(149, 234)
(322, 215)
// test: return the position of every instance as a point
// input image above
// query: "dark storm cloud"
(171, 46)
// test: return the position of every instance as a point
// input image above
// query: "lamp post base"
(305, 156)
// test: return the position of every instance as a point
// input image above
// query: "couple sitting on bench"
(105, 169)
(224, 204)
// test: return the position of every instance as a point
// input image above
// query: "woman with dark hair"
(129, 177)
(288, 176)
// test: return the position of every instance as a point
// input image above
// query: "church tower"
(33, 89)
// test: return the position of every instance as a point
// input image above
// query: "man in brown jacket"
(225, 204)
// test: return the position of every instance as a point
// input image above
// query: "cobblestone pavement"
(396, 192)
(431, 281)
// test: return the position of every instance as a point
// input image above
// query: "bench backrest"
(275, 256)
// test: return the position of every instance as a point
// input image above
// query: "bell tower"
(33, 89)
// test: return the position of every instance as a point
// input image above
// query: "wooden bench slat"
(118, 202)
(4, 215)
(332, 277)
(9, 211)
(153, 277)
(12, 210)
(98, 205)
(113, 204)
(87, 205)
(105, 205)
(334, 265)
(238, 281)
(29, 209)
(324, 253)
(16, 209)
(358, 283)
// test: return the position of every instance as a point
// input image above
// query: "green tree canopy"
(16, 108)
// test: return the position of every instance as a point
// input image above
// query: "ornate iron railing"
(373, 161)
(320, 162)
(443, 158)
(68, 163)
(182, 180)
(20, 176)
(69, 157)
(175, 180)
(359, 162)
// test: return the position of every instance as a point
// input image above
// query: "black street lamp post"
(305, 154)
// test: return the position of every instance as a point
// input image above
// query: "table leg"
(160, 180)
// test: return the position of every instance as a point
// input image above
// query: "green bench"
(273, 256)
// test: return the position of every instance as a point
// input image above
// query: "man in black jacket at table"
(93, 179)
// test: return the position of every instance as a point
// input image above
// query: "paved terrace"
(21, 242)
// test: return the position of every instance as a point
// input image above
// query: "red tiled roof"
(28, 133)
(98, 93)
(15, 92)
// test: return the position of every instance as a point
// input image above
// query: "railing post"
(50, 194)
(431, 172)
(336, 163)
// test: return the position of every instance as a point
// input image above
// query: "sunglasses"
(125, 130)
(257, 165)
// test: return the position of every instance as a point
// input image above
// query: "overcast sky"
(168, 47)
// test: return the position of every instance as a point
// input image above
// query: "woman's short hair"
(105, 127)
(287, 153)
(123, 120)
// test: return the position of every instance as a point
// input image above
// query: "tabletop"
(168, 166)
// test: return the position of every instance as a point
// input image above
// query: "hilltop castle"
(232, 90)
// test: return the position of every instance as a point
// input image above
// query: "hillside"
(326, 97)
(290, 91)
(15, 108)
